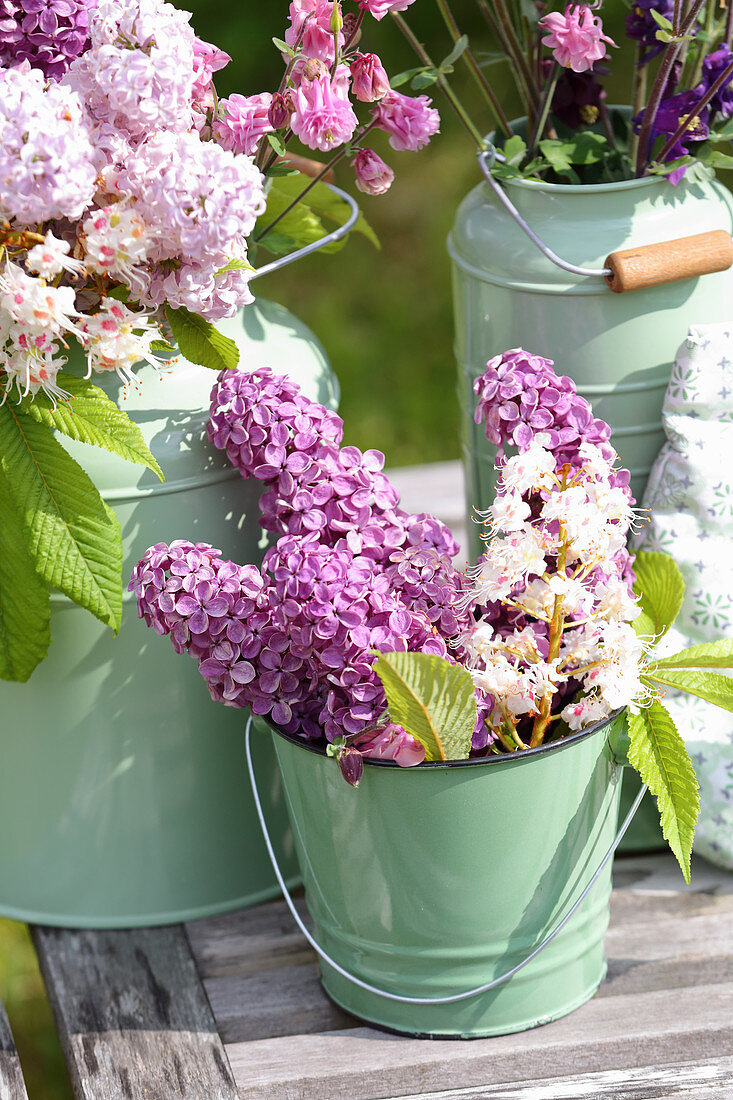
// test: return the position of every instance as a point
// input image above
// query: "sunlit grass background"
(383, 316)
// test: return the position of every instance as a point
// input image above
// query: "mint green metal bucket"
(431, 881)
(618, 348)
(124, 794)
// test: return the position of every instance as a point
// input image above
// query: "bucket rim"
(514, 757)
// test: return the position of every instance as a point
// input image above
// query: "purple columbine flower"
(578, 98)
(671, 114)
(712, 68)
(642, 27)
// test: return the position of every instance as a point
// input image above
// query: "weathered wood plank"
(132, 1015)
(12, 1085)
(249, 941)
(362, 1064)
(653, 886)
(697, 1082)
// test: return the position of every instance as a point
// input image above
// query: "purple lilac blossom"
(48, 34)
(38, 127)
(642, 27)
(351, 572)
(139, 72)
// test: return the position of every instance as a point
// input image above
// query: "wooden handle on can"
(307, 166)
(668, 261)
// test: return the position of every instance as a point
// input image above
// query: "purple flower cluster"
(48, 34)
(642, 27)
(520, 397)
(351, 572)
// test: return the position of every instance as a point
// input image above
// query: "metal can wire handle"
(486, 159)
(397, 996)
(315, 246)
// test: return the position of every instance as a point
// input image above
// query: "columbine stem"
(522, 74)
(684, 125)
(316, 179)
(637, 99)
(668, 59)
(545, 107)
(470, 60)
(442, 82)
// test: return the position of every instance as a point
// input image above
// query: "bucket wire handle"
(315, 246)
(397, 996)
(486, 159)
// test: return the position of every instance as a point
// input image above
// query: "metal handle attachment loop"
(396, 996)
(486, 159)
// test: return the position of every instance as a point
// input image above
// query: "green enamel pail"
(618, 348)
(124, 797)
(430, 881)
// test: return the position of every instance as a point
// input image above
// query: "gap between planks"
(12, 1085)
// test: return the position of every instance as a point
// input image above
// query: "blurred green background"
(383, 316)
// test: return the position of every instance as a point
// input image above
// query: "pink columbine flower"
(380, 8)
(322, 117)
(576, 37)
(313, 18)
(373, 176)
(242, 121)
(207, 60)
(410, 121)
(391, 742)
(370, 78)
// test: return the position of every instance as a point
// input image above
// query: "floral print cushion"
(690, 494)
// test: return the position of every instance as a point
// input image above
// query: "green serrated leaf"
(661, 588)
(715, 687)
(25, 609)
(91, 417)
(200, 342)
(716, 159)
(279, 168)
(119, 293)
(234, 265)
(460, 47)
(73, 537)
(514, 149)
(432, 699)
(558, 155)
(658, 754)
(708, 655)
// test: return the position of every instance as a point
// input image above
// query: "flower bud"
(352, 30)
(351, 763)
(373, 176)
(280, 110)
(370, 80)
(337, 19)
(314, 69)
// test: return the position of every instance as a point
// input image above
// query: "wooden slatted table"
(231, 1007)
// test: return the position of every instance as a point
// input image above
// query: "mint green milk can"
(124, 797)
(427, 882)
(618, 348)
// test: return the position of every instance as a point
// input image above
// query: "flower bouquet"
(359, 639)
(681, 96)
(129, 196)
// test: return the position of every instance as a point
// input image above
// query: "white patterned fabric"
(690, 494)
